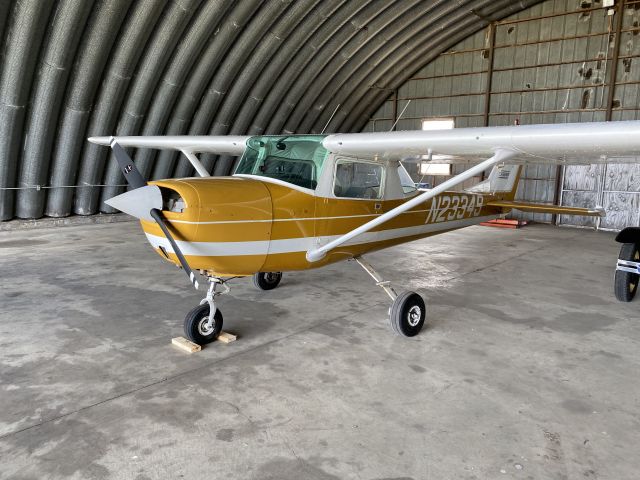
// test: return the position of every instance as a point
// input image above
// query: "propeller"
(145, 202)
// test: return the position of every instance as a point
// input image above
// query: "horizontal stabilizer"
(548, 208)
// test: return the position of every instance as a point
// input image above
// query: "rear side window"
(355, 179)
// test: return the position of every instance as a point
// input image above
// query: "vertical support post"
(489, 81)
(619, 11)
(555, 218)
(395, 109)
(487, 96)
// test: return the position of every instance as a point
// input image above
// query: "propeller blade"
(138, 202)
(157, 216)
(131, 173)
(144, 202)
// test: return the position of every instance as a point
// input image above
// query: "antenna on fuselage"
(399, 116)
(332, 115)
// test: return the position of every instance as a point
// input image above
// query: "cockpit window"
(296, 159)
(355, 179)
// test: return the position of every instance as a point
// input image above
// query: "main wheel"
(267, 280)
(407, 314)
(626, 283)
(195, 325)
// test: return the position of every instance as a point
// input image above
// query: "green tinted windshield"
(296, 159)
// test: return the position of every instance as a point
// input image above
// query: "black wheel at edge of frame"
(626, 283)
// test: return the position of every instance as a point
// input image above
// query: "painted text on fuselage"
(445, 208)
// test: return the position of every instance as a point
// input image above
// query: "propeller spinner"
(145, 202)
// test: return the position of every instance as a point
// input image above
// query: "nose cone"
(138, 202)
(226, 225)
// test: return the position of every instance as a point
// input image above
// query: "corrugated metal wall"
(70, 69)
(551, 63)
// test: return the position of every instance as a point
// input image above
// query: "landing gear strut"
(203, 324)
(407, 312)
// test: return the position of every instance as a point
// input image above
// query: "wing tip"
(106, 141)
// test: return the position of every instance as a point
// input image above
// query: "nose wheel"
(203, 324)
(197, 327)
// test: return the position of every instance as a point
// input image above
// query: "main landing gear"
(267, 280)
(407, 311)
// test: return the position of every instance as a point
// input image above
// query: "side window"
(358, 180)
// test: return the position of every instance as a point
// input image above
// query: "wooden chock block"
(226, 337)
(186, 345)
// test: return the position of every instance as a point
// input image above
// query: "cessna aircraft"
(304, 201)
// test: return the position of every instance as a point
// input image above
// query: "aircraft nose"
(138, 202)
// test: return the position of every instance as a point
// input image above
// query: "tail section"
(502, 182)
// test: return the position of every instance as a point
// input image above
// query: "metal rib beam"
(95, 48)
(232, 26)
(25, 33)
(136, 31)
(51, 81)
(395, 74)
(160, 48)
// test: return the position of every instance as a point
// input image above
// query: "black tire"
(267, 280)
(194, 325)
(626, 283)
(407, 314)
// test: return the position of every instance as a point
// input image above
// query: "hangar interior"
(555, 62)
(524, 369)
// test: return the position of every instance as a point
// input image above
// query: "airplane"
(297, 202)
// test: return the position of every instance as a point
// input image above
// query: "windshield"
(296, 159)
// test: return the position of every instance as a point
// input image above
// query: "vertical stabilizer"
(502, 182)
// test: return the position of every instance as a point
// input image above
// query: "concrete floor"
(528, 368)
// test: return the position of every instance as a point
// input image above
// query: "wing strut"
(501, 155)
(196, 163)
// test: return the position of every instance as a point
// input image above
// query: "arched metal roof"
(75, 68)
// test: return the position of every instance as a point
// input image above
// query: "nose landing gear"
(203, 324)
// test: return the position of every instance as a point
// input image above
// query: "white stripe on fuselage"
(303, 244)
(340, 217)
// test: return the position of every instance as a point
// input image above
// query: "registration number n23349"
(445, 208)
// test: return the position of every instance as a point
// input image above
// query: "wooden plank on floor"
(186, 345)
(505, 223)
(226, 337)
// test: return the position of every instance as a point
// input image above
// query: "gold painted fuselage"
(234, 226)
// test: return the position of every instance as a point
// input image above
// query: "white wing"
(189, 145)
(221, 145)
(564, 143)
(554, 143)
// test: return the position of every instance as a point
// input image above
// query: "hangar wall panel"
(554, 62)
(70, 69)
